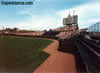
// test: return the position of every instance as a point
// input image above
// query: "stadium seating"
(51, 33)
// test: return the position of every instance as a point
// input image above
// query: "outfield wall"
(48, 37)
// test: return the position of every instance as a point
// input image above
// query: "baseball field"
(22, 54)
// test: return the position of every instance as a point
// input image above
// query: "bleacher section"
(51, 33)
(63, 32)
(66, 28)
(67, 34)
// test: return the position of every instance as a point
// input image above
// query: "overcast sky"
(46, 14)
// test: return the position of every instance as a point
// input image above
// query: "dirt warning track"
(57, 62)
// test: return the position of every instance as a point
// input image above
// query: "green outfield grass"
(22, 54)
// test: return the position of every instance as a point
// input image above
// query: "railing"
(90, 54)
